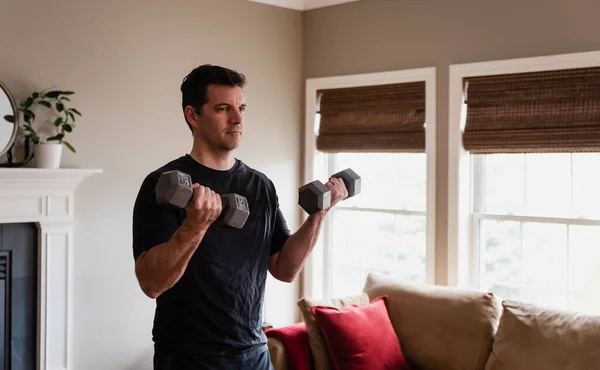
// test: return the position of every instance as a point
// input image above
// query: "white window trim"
(312, 279)
(461, 258)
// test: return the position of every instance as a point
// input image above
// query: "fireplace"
(18, 292)
(40, 202)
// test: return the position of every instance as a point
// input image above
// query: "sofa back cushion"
(440, 328)
(530, 337)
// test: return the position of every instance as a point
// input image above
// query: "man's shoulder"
(180, 164)
(253, 172)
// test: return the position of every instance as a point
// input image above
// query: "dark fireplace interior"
(18, 296)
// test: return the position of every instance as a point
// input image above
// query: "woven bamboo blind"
(382, 118)
(550, 111)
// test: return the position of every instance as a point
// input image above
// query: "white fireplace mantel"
(46, 197)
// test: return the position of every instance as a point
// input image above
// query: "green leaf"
(45, 104)
(71, 115)
(29, 113)
(53, 94)
(58, 121)
(65, 98)
(27, 117)
(68, 128)
(68, 145)
(68, 92)
(10, 118)
(57, 137)
(60, 107)
(75, 111)
(35, 95)
(28, 102)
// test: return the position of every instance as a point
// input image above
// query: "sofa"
(393, 324)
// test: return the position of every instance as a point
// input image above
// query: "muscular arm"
(160, 267)
(287, 263)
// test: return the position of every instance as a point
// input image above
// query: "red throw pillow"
(361, 337)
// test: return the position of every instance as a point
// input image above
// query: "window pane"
(384, 243)
(388, 180)
(548, 184)
(503, 291)
(505, 183)
(545, 255)
(586, 304)
(545, 297)
(500, 251)
(586, 182)
(584, 259)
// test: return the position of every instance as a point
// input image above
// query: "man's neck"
(221, 160)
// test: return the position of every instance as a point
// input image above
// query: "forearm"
(298, 247)
(159, 268)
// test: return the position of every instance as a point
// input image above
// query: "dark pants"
(172, 360)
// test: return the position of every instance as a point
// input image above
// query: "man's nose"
(236, 116)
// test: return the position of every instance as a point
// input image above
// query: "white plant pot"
(47, 155)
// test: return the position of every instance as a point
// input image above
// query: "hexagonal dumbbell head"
(351, 180)
(235, 210)
(314, 197)
(175, 188)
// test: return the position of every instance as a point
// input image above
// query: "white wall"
(125, 61)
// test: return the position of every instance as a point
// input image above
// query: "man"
(208, 280)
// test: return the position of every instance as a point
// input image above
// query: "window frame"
(313, 279)
(463, 261)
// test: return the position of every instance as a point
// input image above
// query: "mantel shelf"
(68, 178)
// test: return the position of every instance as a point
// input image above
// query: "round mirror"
(8, 130)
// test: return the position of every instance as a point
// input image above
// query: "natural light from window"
(537, 228)
(383, 229)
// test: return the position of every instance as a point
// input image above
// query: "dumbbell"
(175, 188)
(315, 196)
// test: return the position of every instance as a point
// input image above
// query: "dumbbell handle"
(185, 192)
(315, 196)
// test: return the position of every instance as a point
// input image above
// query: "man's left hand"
(338, 190)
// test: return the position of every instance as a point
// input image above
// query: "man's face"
(221, 121)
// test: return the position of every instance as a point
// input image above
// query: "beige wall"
(373, 35)
(125, 61)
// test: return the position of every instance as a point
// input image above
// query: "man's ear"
(190, 116)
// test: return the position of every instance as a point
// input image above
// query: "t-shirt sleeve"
(152, 223)
(281, 232)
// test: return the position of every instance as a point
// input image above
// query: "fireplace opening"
(18, 296)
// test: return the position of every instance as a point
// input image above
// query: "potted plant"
(48, 151)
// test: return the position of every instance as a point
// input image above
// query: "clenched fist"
(204, 207)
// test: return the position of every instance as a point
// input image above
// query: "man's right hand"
(204, 207)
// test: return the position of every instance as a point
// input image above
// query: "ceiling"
(303, 4)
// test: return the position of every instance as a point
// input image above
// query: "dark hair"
(194, 85)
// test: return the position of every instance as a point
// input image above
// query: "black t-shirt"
(216, 306)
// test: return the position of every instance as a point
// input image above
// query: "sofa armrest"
(278, 354)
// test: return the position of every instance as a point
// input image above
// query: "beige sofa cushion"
(440, 328)
(318, 346)
(535, 338)
(278, 354)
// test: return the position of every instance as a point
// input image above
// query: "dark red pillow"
(361, 336)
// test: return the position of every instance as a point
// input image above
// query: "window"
(536, 228)
(524, 209)
(382, 230)
(388, 228)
